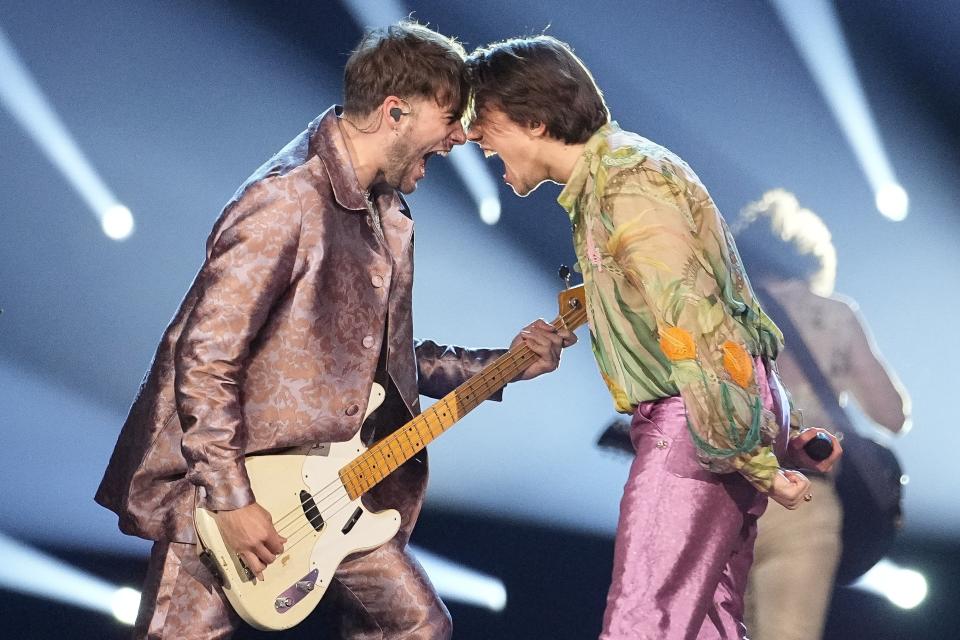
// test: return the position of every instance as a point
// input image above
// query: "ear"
(537, 129)
(392, 110)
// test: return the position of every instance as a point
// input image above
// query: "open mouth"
(436, 152)
(506, 173)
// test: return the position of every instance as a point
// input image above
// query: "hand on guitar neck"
(546, 341)
(249, 531)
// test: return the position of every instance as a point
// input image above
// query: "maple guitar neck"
(368, 469)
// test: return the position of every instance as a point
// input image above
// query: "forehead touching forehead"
(491, 119)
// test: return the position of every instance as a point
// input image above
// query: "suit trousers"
(381, 595)
(685, 537)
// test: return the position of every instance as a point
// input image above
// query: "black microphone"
(819, 447)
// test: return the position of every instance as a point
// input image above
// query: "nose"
(457, 134)
(474, 135)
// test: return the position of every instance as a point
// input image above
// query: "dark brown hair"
(538, 80)
(406, 60)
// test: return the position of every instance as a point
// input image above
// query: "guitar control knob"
(282, 603)
(305, 585)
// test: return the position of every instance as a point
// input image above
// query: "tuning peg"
(564, 273)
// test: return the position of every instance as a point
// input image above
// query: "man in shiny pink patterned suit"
(303, 300)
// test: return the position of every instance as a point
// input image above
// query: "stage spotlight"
(124, 605)
(892, 201)
(467, 160)
(27, 570)
(456, 582)
(815, 30)
(117, 222)
(903, 587)
(22, 97)
(490, 210)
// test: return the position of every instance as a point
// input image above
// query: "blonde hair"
(799, 227)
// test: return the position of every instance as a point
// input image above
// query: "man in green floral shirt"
(678, 336)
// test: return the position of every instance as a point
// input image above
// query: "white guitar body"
(293, 584)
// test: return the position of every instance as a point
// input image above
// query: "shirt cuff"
(759, 468)
(223, 489)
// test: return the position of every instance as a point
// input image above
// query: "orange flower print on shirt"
(677, 344)
(738, 363)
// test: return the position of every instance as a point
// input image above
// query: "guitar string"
(334, 485)
(522, 353)
(423, 418)
(512, 359)
(325, 512)
(470, 386)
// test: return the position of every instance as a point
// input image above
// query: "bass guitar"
(313, 494)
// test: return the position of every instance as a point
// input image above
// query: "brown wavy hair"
(406, 60)
(538, 80)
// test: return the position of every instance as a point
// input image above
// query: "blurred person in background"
(792, 261)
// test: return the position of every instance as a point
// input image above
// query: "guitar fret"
(406, 433)
(424, 431)
(398, 459)
(426, 421)
(383, 460)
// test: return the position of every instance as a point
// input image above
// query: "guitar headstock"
(573, 307)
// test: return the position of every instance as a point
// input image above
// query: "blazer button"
(377, 280)
(368, 341)
(353, 409)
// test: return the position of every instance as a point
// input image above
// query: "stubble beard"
(400, 163)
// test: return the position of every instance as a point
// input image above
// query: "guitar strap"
(869, 481)
(862, 455)
(822, 387)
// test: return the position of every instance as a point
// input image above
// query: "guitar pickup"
(352, 521)
(310, 510)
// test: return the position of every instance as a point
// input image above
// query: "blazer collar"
(327, 142)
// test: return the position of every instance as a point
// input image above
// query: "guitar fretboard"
(368, 469)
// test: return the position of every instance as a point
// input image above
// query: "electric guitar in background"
(314, 495)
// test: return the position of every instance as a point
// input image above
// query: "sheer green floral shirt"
(671, 310)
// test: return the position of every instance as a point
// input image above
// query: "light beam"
(24, 99)
(814, 27)
(27, 570)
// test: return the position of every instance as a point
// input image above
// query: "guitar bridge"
(294, 594)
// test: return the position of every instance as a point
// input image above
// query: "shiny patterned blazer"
(277, 342)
